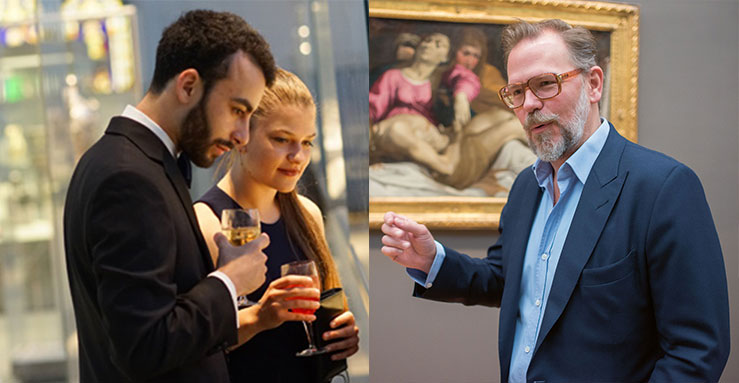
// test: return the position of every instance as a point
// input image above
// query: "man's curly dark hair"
(206, 41)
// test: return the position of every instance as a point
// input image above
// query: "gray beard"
(545, 145)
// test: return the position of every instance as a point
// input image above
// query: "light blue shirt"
(546, 239)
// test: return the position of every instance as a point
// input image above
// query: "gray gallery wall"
(688, 109)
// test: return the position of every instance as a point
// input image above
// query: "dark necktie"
(183, 162)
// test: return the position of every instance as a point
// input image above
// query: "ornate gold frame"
(621, 20)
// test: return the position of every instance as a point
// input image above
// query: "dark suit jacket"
(137, 266)
(640, 291)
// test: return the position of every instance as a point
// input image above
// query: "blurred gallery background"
(67, 66)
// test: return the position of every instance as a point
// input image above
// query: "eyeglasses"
(543, 86)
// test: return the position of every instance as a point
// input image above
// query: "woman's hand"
(346, 333)
(287, 293)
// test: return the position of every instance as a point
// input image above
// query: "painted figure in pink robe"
(402, 124)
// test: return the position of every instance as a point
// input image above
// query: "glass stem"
(309, 333)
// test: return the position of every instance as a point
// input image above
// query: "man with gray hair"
(608, 267)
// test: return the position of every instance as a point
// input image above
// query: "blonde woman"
(263, 175)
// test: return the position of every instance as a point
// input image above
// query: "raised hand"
(407, 242)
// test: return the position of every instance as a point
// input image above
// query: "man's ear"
(188, 86)
(595, 84)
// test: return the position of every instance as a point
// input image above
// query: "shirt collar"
(581, 162)
(134, 114)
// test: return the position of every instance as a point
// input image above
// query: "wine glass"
(307, 268)
(241, 226)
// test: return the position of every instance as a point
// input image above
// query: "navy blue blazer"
(640, 290)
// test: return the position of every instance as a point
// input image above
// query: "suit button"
(526, 349)
(544, 256)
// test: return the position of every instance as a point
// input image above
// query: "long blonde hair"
(302, 229)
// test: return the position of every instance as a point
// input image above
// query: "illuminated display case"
(63, 73)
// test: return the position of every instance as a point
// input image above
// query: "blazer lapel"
(516, 233)
(600, 193)
(145, 140)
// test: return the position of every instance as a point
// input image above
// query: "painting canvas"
(443, 147)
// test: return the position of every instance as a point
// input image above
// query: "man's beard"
(195, 136)
(545, 145)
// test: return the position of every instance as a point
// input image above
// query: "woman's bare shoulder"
(312, 207)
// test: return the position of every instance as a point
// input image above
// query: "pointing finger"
(410, 225)
(388, 217)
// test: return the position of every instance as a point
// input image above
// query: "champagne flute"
(241, 226)
(307, 268)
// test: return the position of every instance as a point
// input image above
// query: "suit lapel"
(152, 146)
(599, 195)
(178, 181)
(517, 237)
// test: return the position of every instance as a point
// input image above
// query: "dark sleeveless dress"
(270, 355)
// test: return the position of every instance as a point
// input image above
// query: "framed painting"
(450, 162)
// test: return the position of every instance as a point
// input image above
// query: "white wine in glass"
(239, 236)
(240, 225)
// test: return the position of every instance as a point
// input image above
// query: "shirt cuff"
(427, 280)
(231, 290)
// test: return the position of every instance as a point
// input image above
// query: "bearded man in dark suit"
(149, 303)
